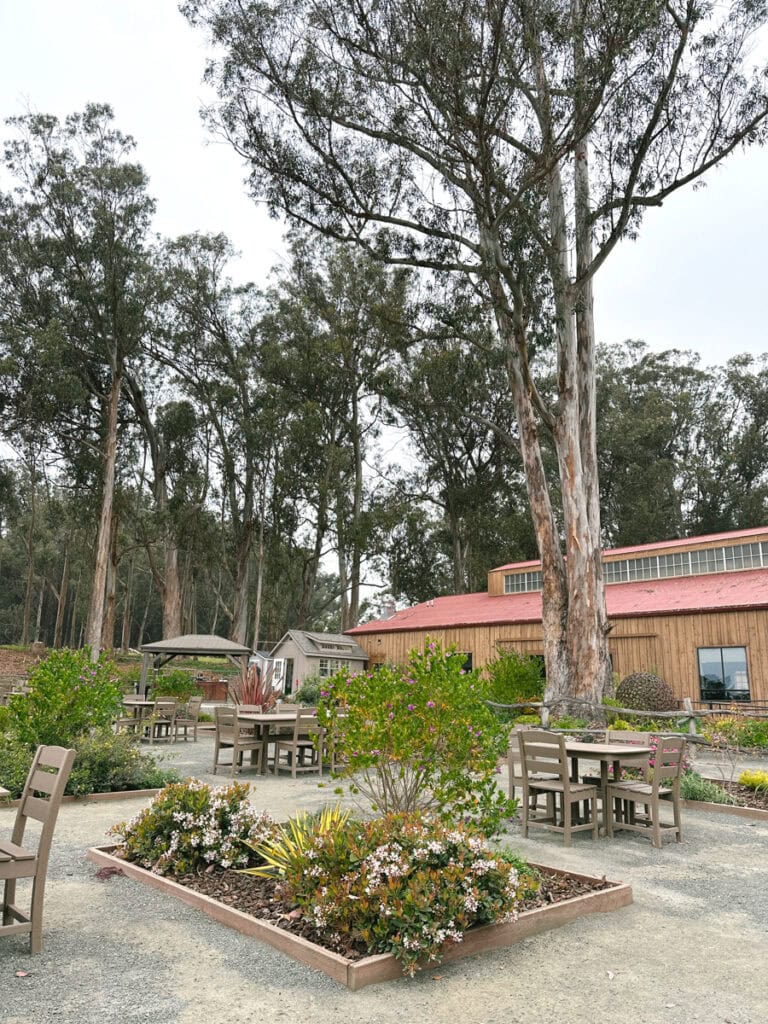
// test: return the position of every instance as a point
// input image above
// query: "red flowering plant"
(419, 738)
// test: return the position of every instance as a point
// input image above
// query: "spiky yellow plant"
(292, 839)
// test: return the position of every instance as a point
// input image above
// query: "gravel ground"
(692, 947)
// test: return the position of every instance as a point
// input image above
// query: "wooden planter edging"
(355, 974)
(738, 812)
(118, 794)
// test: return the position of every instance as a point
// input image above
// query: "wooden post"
(688, 708)
(144, 672)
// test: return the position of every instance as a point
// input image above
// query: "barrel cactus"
(643, 691)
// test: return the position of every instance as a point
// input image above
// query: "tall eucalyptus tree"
(515, 143)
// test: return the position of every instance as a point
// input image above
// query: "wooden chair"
(306, 739)
(623, 797)
(186, 719)
(515, 766)
(544, 753)
(40, 800)
(230, 734)
(161, 723)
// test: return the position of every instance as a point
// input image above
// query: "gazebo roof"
(197, 644)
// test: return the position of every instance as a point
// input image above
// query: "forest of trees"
(183, 452)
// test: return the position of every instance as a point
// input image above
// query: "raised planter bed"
(116, 794)
(355, 974)
(755, 813)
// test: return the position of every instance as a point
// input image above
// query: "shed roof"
(197, 644)
(323, 645)
(728, 591)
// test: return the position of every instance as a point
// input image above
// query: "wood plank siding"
(665, 644)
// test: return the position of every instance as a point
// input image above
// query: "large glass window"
(723, 673)
(329, 666)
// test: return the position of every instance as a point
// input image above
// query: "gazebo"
(193, 645)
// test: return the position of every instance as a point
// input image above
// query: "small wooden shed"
(300, 654)
(192, 645)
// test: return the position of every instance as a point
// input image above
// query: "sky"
(696, 279)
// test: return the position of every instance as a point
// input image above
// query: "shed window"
(328, 666)
(723, 673)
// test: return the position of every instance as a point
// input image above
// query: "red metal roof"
(732, 536)
(727, 591)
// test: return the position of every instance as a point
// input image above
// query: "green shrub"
(643, 691)
(735, 731)
(15, 759)
(105, 763)
(569, 722)
(694, 787)
(190, 827)
(419, 737)
(534, 720)
(515, 678)
(176, 683)
(68, 697)
(402, 885)
(309, 691)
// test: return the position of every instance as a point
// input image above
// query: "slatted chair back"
(544, 752)
(631, 739)
(42, 793)
(40, 801)
(226, 720)
(667, 761)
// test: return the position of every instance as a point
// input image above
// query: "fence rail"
(687, 716)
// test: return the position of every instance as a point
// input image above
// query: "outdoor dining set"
(635, 780)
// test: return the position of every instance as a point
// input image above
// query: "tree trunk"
(73, 620)
(39, 618)
(62, 602)
(259, 583)
(125, 631)
(30, 560)
(309, 573)
(239, 626)
(96, 607)
(171, 590)
(110, 604)
(353, 610)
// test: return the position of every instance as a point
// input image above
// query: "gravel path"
(691, 948)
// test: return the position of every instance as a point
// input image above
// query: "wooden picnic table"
(267, 720)
(605, 754)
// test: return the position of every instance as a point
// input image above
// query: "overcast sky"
(697, 278)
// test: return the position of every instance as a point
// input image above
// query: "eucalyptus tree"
(650, 407)
(74, 285)
(207, 335)
(332, 324)
(728, 484)
(453, 401)
(515, 143)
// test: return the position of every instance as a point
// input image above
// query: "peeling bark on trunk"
(96, 607)
(125, 631)
(171, 591)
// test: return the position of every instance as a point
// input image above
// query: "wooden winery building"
(692, 610)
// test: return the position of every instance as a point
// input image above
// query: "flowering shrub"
(402, 885)
(189, 827)
(419, 738)
(685, 764)
(736, 731)
(68, 697)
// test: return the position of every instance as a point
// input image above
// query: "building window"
(329, 666)
(467, 666)
(723, 673)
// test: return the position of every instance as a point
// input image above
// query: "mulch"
(264, 899)
(746, 797)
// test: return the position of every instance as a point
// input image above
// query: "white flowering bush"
(403, 884)
(190, 826)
